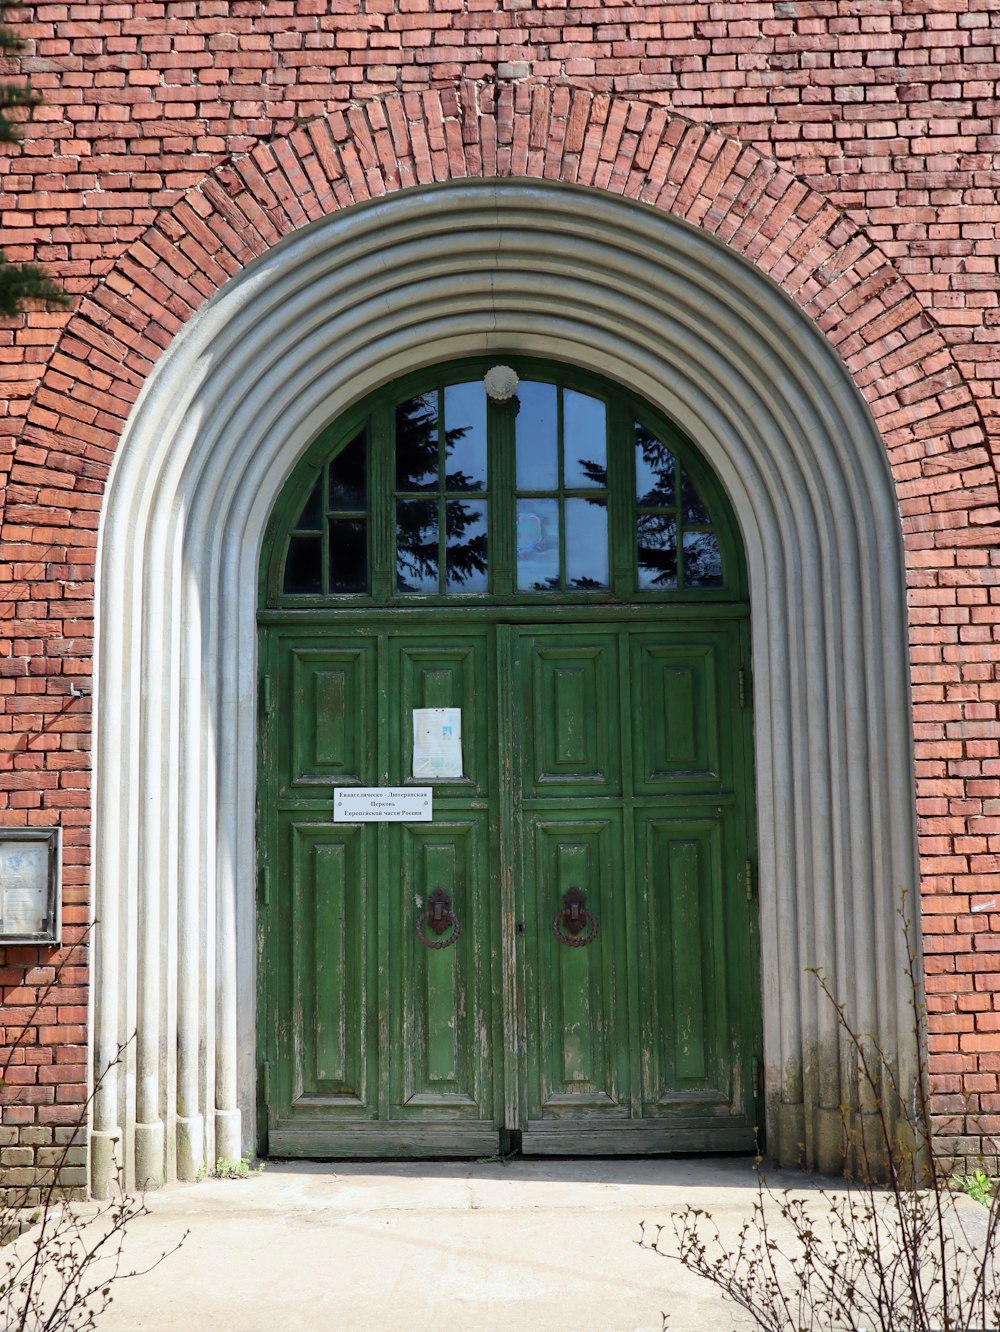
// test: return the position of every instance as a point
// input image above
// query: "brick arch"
(243, 210)
(926, 413)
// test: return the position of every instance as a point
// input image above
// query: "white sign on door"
(382, 804)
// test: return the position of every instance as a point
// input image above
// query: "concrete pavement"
(522, 1246)
(428, 1247)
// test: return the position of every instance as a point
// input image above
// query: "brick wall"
(868, 128)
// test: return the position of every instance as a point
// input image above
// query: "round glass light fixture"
(501, 382)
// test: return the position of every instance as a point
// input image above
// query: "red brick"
(880, 221)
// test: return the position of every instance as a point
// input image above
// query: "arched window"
(571, 488)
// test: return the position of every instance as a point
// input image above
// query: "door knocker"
(437, 918)
(569, 923)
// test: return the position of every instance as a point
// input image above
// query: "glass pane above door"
(585, 441)
(465, 436)
(562, 490)
(537, 544)
(537, 436)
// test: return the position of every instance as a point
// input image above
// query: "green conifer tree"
(19, 283)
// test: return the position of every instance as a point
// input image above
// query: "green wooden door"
(566, 951)
(382, 1043)
(629, 805)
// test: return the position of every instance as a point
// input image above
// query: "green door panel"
(440, 1011)
(570, 743)
(376, 1043)
(455, 673)
(325, 1001)
(327, 713)
(686, 1054)
(680, 745)
(578, 1029)
(641, 1039)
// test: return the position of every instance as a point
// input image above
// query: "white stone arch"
(338, 308)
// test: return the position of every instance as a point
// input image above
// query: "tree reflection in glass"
(465, 417)
(466, 555)
(417, 443)
(670, 512)
(694, 510)
(702, 560)
(419, 468)
(585, 441)
(417, 550)
(654, 471)
(657, 533)
(587, 542)
(585, 432)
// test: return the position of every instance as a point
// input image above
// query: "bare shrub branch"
(889, 1251)
(57, 1276)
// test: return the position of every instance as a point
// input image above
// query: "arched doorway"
(334, 311)
(532, 607)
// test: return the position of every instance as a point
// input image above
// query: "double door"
(567, 948)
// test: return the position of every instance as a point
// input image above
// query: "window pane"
(537, 545)
(586, 543)
(465, 436)
(348, 555)
(702, 560)
(465, 521)
(417, 546)
(347, 476)
(657, 534)
(417, 443)
(304, 565)
(654, 471)
(585, 441)
(694, 510)
(311, 517)
(537, 437)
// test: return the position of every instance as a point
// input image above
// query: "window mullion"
(325, 520)
(501, 489)
(382, 503)
(561, 481)
(621, 501)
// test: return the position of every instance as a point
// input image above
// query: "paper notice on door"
(437, 742)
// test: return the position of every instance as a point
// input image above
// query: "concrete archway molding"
(341, 306)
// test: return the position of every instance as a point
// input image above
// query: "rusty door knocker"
(572, 919)
(437, 918)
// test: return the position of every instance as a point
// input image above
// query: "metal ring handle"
(569, 922)
(438, 917)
